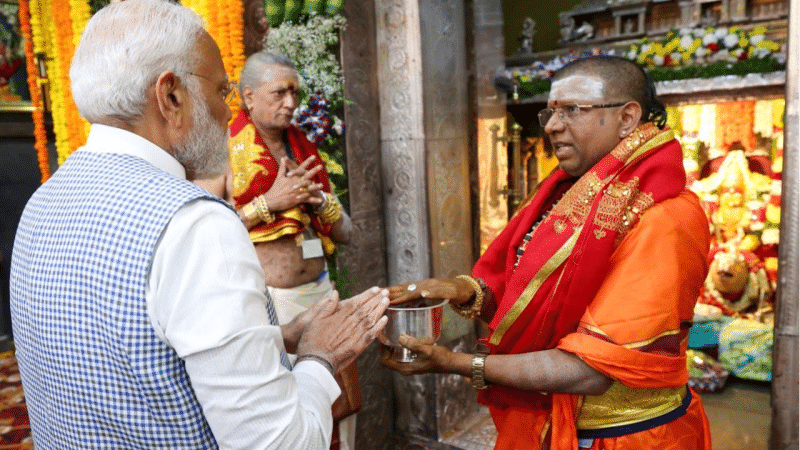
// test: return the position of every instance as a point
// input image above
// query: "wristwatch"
(478, 371)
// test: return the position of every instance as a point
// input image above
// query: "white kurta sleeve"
(206, 300)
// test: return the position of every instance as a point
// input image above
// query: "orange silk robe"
(635, 331)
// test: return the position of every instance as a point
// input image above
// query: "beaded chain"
(529, 235)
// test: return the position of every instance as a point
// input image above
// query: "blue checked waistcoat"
(95, 374)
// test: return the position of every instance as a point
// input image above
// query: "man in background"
(281, 190)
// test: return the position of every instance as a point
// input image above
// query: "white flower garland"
(309, 46)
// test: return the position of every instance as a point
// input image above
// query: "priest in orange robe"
(590, 289)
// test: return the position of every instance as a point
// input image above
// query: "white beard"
(204, 152)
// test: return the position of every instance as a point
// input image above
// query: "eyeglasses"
(229, 93)
(570, 111)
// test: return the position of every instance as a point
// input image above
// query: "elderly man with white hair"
(281, 190)
(139, 307)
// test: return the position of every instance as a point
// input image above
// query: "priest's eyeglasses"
(228, 93)
(569, 111)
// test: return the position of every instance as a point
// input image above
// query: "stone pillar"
(424, 112)
(687, 13)
(785, 397)
(365, 257)
(738, 10)
(724, 15)
(641, 24)
(403, 139)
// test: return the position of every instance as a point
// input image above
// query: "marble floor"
(739, 416)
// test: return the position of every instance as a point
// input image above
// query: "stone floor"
(739, 416)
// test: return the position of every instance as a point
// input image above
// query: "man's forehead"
(577, 87)
(279, 75)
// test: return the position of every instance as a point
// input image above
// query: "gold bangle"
(331, 211)
(479, 371)
(472, 308)
(263, 210)
(250, 212)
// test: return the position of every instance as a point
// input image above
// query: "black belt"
(623, 430)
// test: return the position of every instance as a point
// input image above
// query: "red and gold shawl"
(544, 299)
(254, 170)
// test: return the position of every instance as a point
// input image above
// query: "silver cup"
(421, 319)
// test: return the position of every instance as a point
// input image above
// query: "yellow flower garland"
(236, 35)
(55, 30)
(80, 12)
(53, 72)
(39, 132)
(226, 26)
(56, 26)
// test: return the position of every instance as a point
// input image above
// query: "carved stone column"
(738, 10)
(690, 13)
(785, 397)
(424, 110)
(403, 139)
(365, 257)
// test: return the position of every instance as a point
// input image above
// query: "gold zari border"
(621, 405)
(660, 139)
(530, 291)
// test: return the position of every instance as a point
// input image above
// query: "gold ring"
(302, 189)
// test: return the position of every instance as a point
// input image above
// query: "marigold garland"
(55, 27)
(236, 36)
(226, 26)
(39, 132)
(55, 79)
(66, 31)
(80, 12)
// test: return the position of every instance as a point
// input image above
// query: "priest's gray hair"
(252, 73)
(122, 52)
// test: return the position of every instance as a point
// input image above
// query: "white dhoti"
(293, 301)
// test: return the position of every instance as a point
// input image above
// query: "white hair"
(123, 50)
(252, 74)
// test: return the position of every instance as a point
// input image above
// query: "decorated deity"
(736, 200)
(737, 284)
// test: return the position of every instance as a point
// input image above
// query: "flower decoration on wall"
(315, 118)
(680, 54)
(705, 46)
(311, 41)
(535, 78)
